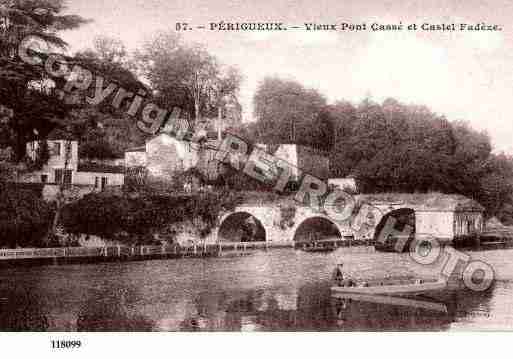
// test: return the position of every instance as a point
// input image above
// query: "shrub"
(139, 217)
(24, 217)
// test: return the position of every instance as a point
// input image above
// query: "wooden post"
(119, 251)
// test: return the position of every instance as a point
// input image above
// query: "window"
(101, 182)
(44, 178)
(58, 176)
(64, 177)
(104, 183)
(67, 177)
(56, 149)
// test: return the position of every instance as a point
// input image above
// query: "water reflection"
(273, 291)
(312, 308)
(101, 312)
(21, 310)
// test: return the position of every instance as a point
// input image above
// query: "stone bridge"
(289, 221)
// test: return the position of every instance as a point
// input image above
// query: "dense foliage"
(24, 217)
(392, 147)
(289, 113)
(387, 147)
(185, 75)
(24, 88)
(137, 218)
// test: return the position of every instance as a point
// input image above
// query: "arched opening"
(316, 229)
(395, 224)
(241, 227)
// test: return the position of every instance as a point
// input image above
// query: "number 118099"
(66, 344)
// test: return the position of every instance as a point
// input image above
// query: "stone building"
(55, 169)
(302, 159)
(167, 155)
(63, 166)
(163, 156)
(449, 217)
(136, 157)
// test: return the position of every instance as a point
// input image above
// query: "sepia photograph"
(255, 166)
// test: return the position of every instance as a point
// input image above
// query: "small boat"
(398, 287)
(391, 300)
(318, 249)
(234, 254)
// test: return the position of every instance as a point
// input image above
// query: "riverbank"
(72, 255)
(77, 255)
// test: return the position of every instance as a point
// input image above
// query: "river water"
(279, 290)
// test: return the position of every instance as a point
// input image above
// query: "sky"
(462, 75)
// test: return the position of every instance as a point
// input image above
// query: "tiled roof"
(433, 201)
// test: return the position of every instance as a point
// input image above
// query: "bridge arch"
(241, 226)
(394, 223)
(316, 228)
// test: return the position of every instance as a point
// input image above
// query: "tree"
(108, 131)
(7, 169)
(110, 50)
(109, 58)
(343, 118)
(22, 86)
(70, 129)
(41, 18)
(408, 148)
(24, 217)
(185, 76)
(496, 187)
(287, 112)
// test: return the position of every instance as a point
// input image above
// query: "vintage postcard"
(270, 166)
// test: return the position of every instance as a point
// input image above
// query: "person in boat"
(341, 278)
